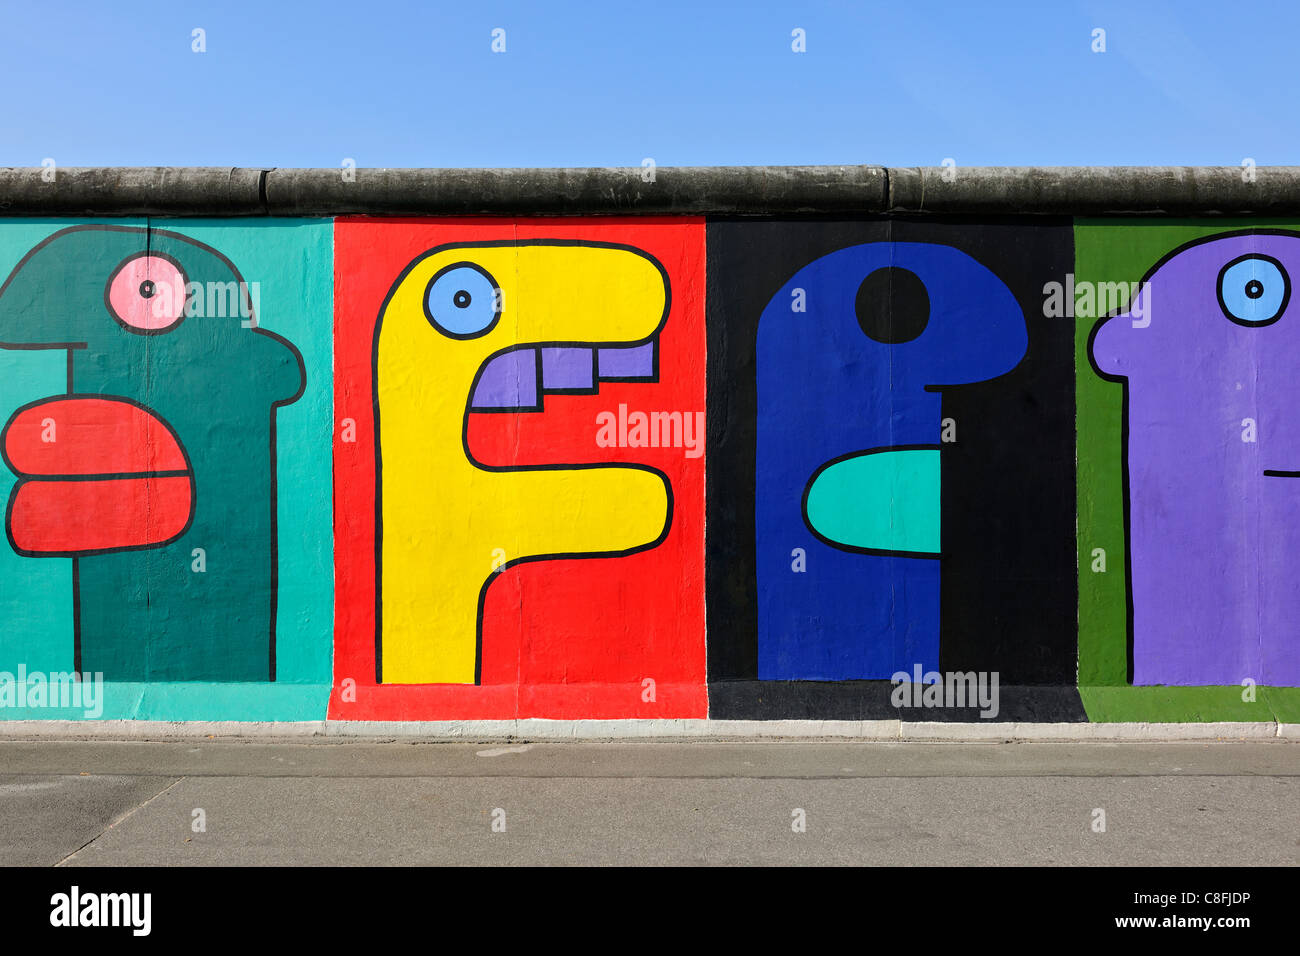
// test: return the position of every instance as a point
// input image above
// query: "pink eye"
(147, 293)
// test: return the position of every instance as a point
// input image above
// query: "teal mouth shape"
(882, 501)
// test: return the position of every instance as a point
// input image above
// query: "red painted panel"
(561, 639)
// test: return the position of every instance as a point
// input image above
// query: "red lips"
(95, 474)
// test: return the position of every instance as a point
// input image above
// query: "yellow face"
(448, 524)
(458, 307)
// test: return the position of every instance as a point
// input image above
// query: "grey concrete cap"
(1091, 191)
(789, 191)
(120, 191)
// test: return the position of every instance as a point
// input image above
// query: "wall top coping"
(744, 191)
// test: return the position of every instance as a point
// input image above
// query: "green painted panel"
(1110, 251)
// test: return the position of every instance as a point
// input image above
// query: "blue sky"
(685, 83)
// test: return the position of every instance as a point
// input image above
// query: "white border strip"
(491, 730)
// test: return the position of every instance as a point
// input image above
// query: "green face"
(172, 391)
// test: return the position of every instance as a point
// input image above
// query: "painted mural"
(486, 468)
(156, 394)
(528, 404)
(875, 330)
(891, 488)
(1210, 456)
(1186, 517)
(123, 473)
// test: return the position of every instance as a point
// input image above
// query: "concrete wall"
(838, 444)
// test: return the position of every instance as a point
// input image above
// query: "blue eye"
(1253, 290)
(462, 301)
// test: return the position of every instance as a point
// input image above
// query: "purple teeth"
(634, 362)
(567, 368)
(508, 381)
(517, 380)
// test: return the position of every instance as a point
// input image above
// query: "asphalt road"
(306, 802)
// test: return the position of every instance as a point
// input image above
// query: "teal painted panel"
(168, 701)
(290, 265)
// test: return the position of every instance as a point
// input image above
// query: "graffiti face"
(495, 327)
(1213, 461)
(851, 353)
(904, 474)
(158, 459)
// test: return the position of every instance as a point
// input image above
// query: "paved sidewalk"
(97, 802)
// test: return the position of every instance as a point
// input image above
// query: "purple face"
(1210, 354)
(1216, 341)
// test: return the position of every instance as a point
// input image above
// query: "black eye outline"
(185, 286)
(469, 299)
(1286, 291)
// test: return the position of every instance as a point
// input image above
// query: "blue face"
(891, 319)
(850, 354)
